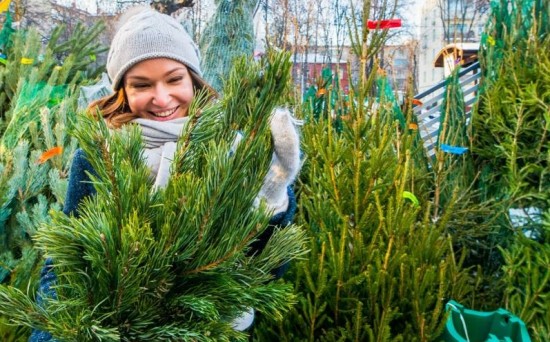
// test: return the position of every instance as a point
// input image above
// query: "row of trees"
(392, 235)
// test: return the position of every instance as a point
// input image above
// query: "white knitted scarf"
(160, 139)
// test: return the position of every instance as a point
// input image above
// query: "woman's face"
(159, 89)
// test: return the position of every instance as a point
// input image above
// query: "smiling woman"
(155, 71)
(159, 89)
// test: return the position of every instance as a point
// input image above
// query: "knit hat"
(145, 34)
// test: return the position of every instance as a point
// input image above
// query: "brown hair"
(115, 110)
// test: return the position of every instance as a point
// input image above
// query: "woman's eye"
(140, 85)
(175, 79)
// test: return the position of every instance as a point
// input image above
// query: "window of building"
(455, 31)
(400, 62)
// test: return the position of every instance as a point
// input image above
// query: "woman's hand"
(285, 163)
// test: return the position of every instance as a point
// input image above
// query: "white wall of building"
(432, 34)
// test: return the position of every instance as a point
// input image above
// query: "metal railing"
(429, 111)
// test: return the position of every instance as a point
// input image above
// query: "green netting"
(511, 114)
(512, 24)
(322, 95)
(228, 35)
(6, 32)
(407, 123)
(386, 93)
(453, 128)
(27, 108)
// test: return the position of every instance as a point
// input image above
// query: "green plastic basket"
(465, 325)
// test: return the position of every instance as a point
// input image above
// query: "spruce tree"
(38, 84)
(228, 35)
(382, 262)
(528, 282)
(392, 237)
(511, 149)
(380, 265)
(174, 263)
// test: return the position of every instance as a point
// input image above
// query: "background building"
(444, 22)
(399, 62)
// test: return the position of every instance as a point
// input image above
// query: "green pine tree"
(170, 264)
(380, 265)
(511, 147)
(38, 93)
(391, 241)
(383, 260)
(510, 131)
(528, 281)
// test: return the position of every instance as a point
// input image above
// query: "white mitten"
(285, 162)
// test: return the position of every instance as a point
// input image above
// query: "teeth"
(165, 113)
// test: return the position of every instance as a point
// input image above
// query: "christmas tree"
(228, 35)
(391, 240)
(511, 150)
(173, 263)
(37, 108)
(382, 259)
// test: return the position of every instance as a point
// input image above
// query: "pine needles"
(171, 264)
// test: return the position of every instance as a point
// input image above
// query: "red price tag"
(383, 24)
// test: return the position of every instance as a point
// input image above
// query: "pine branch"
(170, 263)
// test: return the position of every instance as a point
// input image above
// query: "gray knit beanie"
(145, 34)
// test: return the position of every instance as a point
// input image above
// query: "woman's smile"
(159, 89)
(165, 115)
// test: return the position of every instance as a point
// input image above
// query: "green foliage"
(364, 279)
(6, 32)
(453, 117)
(511, 149)
(12, 334)
(317, 94)
(170, 264)
(391, 240)
(29, 190)
(526, 274)
(383, 260)
(37, 109)
(229, 35)
(44, 71)
(481, 225)
(512, 25)
(510, 130)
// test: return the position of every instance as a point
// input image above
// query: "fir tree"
(528, 281)
(379, 267)
(37, 108)
(228, 35)
(391, 240)
(382, 261)
(170, 264)
(511, 148)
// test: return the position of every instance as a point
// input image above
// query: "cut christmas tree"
(511, 146)
(37, 108)
(149, 264)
